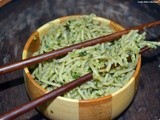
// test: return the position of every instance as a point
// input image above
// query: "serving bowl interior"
(103, 108)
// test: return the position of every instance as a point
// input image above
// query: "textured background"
(20, 18)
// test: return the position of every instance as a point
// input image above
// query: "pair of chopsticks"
(57, 53)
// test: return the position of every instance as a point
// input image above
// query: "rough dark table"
(20, 18)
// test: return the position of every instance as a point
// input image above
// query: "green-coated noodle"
(112, 64)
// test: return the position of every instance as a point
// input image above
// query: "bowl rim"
(58, 20)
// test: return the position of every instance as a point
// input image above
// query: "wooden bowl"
(103, 108)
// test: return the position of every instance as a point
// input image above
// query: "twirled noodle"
(112, 64)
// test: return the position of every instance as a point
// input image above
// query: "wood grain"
(100, 109)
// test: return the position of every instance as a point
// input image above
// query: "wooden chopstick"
(44, 98)
(63, 51)
(12, 114)
(64, 88)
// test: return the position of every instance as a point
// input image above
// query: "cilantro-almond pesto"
(112, 63)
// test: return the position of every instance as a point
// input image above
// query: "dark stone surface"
(20, 18)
